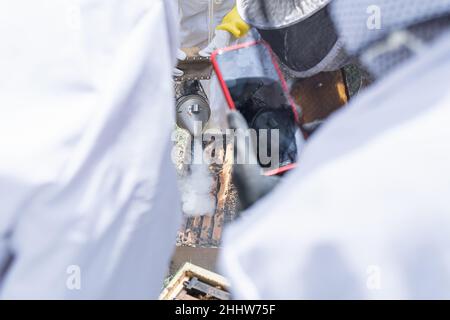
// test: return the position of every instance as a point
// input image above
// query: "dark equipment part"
(192, 107)
(254, 85)
(301, 33)
(206, 289)
(306, 48)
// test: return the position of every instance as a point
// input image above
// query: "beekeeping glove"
(181, 56)
(232, 26)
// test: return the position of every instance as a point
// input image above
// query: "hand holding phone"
(253, 85)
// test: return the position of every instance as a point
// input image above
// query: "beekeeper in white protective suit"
(209, 25)
(366, 215)
(89, 207)
(205, 26)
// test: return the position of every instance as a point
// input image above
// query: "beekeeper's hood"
(300, 32)
(386, 32)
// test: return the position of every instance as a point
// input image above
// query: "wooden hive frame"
(176, 289)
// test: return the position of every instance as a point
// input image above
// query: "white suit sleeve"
(365, 215)
(92, 207)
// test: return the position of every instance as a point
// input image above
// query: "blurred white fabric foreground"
(367, 213)
(88, 200)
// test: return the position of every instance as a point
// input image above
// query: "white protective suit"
(367, 213)
(199, 19)
(88, 197)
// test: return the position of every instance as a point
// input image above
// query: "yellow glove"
(234, 24)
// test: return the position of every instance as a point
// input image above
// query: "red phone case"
(274, 61)
(230, 101)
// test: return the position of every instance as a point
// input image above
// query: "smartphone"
(253, 84)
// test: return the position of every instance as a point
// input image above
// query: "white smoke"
(196, 192)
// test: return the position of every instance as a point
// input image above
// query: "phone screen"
(253, 85)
